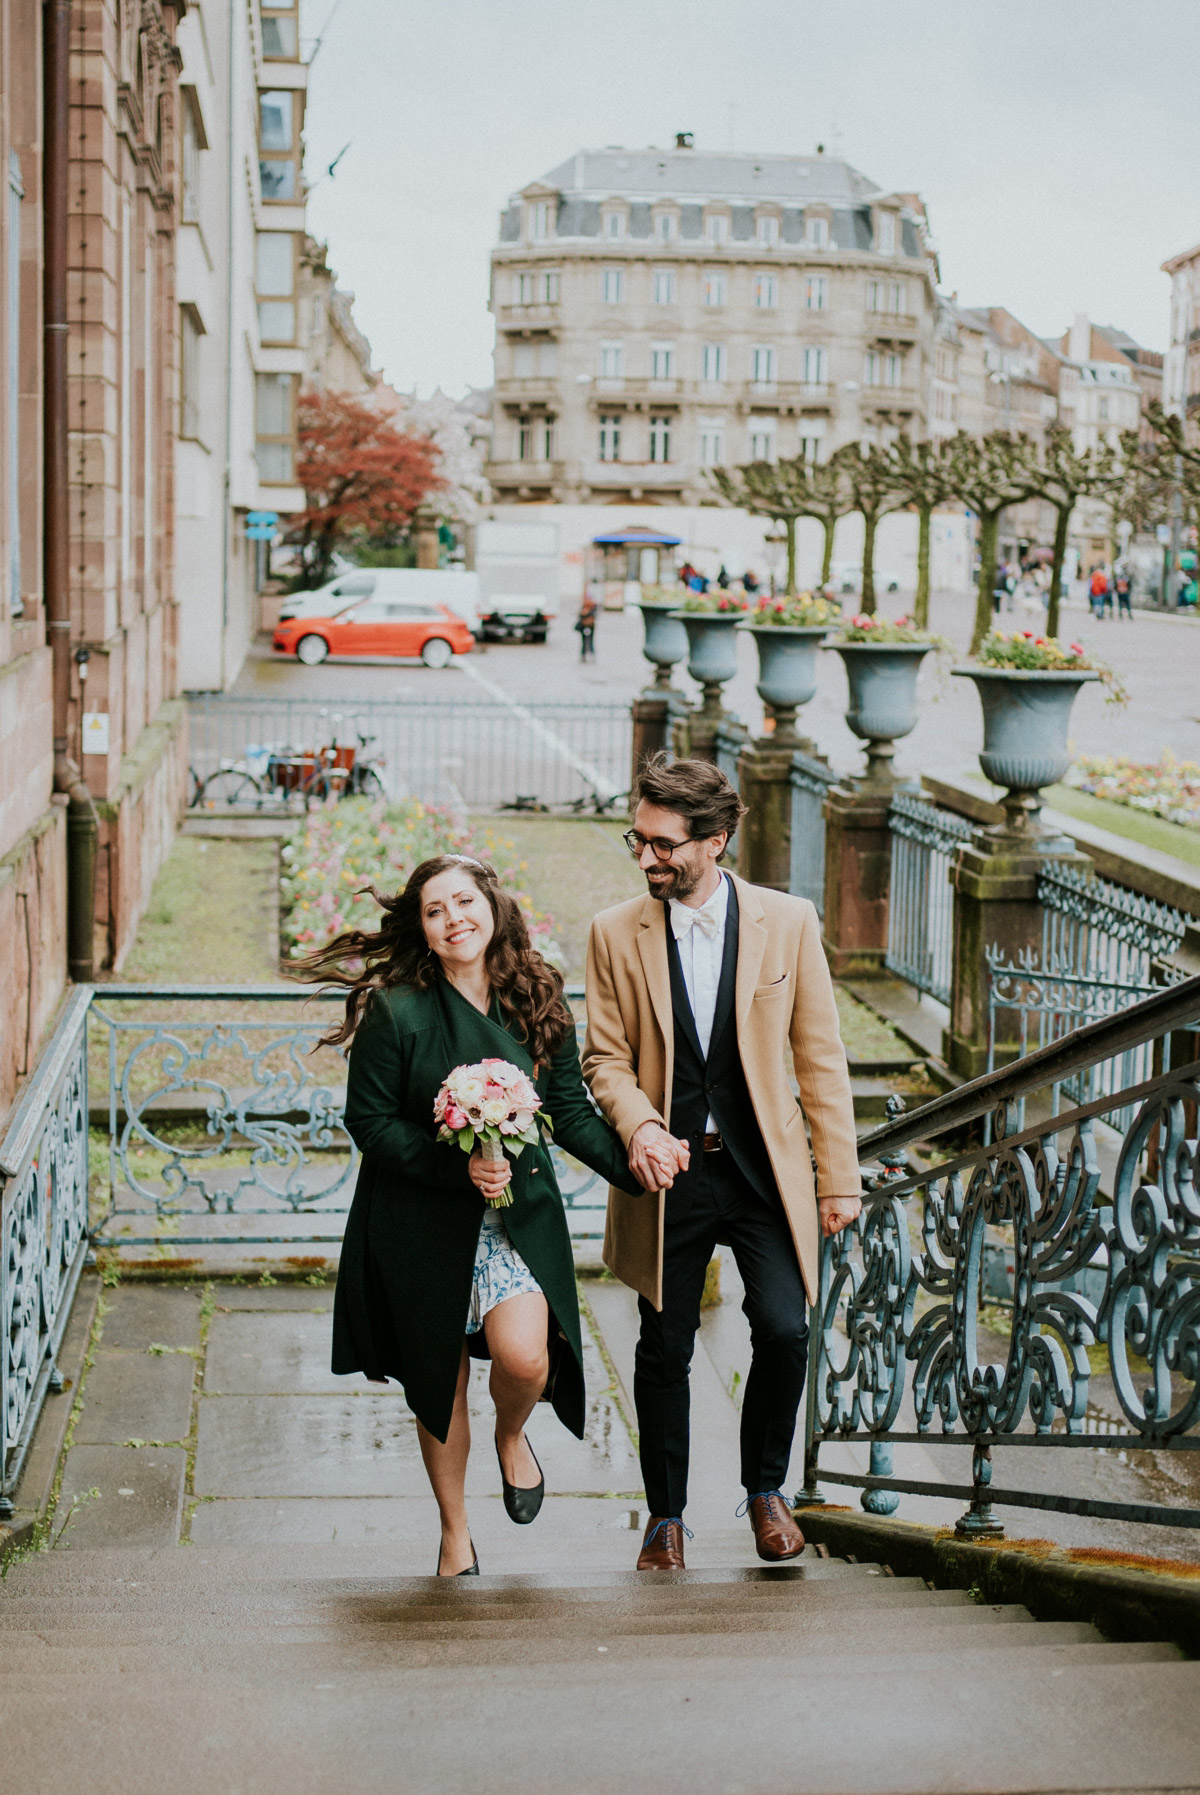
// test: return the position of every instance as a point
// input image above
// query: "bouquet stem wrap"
(492, 1150)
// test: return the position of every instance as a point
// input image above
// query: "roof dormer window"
(885, 233)
(666, 226)
(539, 220)
(613, 225)
(768, 231)
(716, 227)
(816, 231)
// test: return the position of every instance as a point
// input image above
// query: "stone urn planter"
(883, 697)
(712, 652)
(666, 642)
(787, 670)
(1026, 715)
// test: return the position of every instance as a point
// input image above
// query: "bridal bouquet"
(492, 1103)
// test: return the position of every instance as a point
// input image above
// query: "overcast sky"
(1056, 143)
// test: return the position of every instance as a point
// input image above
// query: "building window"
(816, 231)
(610, 437)
(522, 289)
(814, 367)
(660, 439)
(612, 286)
(551, 286)
(1104, 408)
(548, 358)
(275, 427)
(716, 227)
(189, 371)
(546, 432)
(539, 220)
(664, 227)
(277, 137)
(762, 439)
(896, 297)
(525, 440)
(12, 248)
(768, 232)
(279, 36)
(712, 443)
(871, 368)
(893, 370)
(190, 159)
(275, 280)
(874, 295)
(885, 233)
(762, 364)
(816, 293)
(612, 357)
(810, 449)
(662, 361)
(766, 291)
(714, 362)
(613, 225)
(714, 286)
(664, 286)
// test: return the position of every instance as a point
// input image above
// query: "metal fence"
(1104, 1284)
(925, 843)
(477, 752)
(43, 1232)
(810, 782)
(728, 743)
(1102, 931)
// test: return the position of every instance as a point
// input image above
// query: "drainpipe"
(82, 826)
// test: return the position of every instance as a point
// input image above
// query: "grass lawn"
(1123, 819)
(571, 867)
(211, 917)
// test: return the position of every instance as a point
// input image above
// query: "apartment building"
(241, 267)
(662, 311)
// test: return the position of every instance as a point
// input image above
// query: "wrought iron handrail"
(1176, 1007)
(896, 1355)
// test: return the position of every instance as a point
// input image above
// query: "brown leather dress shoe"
(776, 1535)
(662, 1547)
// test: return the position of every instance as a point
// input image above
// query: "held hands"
(656, 1158)
(489, 1176)
(837, 1213)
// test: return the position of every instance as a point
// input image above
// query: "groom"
(696, 994)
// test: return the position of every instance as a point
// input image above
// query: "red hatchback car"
(377, 626)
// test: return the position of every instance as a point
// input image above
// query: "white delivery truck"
(516, 563)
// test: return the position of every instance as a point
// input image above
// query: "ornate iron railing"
(1102, 931)
(810, 782)
(477, 750)
(728, 742)
(920, 944)
(43, 1232)
(1106, 1272)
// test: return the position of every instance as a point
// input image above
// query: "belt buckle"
(713, 1143)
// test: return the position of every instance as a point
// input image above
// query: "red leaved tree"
(360, 474)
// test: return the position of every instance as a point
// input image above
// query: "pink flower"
(455, 1117)
(1077, 648)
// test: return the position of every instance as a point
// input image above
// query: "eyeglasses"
(659, 846)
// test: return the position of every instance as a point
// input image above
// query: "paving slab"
(564, 1521)
(140, 1500)
(316, 1299)
(141, 1315)
(145, 1396)
(260, 1352)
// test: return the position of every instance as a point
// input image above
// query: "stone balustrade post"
(858, 871)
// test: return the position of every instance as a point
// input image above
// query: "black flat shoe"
(522, 1506)
(472, 1569)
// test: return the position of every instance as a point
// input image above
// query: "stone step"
(691, 1727)
(861, 1625)
(266, 1658)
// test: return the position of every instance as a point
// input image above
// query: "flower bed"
(1167, 788)
(345, 846)
(804, 610)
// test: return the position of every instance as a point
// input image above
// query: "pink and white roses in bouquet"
(493, 1104)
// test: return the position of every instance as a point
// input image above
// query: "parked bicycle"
(282, 775)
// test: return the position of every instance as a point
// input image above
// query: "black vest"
(717, 1085)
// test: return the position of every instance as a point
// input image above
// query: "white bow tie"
(684, 919)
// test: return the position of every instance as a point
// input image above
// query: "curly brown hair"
(530, 992)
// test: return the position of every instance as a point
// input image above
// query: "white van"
(459, 592)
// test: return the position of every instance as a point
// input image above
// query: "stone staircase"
(288, 1669)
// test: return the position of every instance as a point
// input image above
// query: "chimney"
(1079, 346)
(683, 140)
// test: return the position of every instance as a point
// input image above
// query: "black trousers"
(711, 1204)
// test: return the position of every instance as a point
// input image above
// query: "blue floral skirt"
(500, 1271)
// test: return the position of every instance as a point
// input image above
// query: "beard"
(669, 882)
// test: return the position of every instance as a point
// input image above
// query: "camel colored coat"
(785, 1011)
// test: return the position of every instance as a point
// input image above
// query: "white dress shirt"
(700, 934)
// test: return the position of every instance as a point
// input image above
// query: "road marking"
(603, 786)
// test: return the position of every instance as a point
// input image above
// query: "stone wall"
(33, 924)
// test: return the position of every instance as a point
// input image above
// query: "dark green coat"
(404, 1282)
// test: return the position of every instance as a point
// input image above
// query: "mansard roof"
(652, 174)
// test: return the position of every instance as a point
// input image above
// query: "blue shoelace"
(770, 1497)
(670, 1521)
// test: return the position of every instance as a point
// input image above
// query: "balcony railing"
(524, 473)
(636, 473)
(513, 317)
(527, 388)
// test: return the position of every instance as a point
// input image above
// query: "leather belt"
(712, 1143)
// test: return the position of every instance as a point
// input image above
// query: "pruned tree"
(991, 473)
(360, 474)
(871, 488)
(924, 473)
(1069, 474)
(786, 490)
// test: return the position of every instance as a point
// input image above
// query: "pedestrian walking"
(1124, 585)
(1098, 592)
(585, 625)
(999, 586)
(450, 1257)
